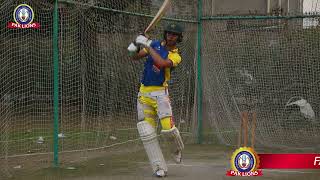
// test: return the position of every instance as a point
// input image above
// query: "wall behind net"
(98, 84)
(262, 66)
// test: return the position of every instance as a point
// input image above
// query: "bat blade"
(158, 16)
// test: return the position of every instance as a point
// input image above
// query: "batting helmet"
(174, 28)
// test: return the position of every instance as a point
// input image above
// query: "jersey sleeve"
(175, 58)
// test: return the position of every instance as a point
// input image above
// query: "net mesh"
(98, 84)
(25, 88)
(264, 67)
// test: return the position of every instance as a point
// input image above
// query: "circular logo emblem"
(244, 160)
(23, 14)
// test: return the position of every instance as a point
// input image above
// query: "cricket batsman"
(153, 98)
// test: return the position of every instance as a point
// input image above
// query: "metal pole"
(55, 85)
(199, 73)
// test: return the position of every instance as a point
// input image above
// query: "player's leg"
(173, 136)
(169, 130)
(147, 110)
(146, 129)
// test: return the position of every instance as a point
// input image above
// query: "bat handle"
(144, 33)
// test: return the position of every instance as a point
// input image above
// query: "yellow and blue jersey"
(153, 78)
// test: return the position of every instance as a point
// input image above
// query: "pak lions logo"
(23, 16)
(244, 162)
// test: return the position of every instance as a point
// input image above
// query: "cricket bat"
(158, 16)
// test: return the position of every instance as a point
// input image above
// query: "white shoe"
(177, 156)
(160, 173)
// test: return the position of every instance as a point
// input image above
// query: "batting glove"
(142, 40)
(132, 48)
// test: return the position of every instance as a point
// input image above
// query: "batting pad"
(151, 146)
(173, 135)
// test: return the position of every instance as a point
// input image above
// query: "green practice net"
(98, 84)
(267, 67)
(26, 93)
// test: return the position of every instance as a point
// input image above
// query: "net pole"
(55, 85)
(199, 78)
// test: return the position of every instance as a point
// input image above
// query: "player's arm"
(141, 54)
(135, 52)
(158, 60)
(173, 58)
